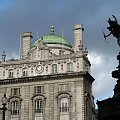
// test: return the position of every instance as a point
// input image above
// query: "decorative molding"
(38, 96)
(14, 98)
(50, 77)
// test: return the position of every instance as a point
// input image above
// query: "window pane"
(38, 109)
(38, 89)
(15, 91)
(64, 105)
(63, 87)
(15, 108)
(38, 106)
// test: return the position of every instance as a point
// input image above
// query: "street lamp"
(4, 102)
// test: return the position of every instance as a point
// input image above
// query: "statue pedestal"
(109, 109)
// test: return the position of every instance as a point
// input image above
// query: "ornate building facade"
(51, 80)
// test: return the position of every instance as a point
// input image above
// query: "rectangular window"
(64, 87)
(15, 91)
(38, 89)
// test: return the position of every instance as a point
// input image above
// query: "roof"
(53, 39)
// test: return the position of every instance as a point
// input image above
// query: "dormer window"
(69, 66)
(10, 73)
(54, 68)
(25, 72)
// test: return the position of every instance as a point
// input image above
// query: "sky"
(18, 16)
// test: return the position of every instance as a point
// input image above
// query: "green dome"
(53, 39)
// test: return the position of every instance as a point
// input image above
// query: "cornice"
(51, 77)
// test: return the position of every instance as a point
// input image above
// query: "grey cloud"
(39, 15)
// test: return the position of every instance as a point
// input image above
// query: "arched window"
(64, 105)
(10, 73)
(69, 66)
(64, 108)
(25, 71)
(54, 68)
(14, 109)
(38, 109)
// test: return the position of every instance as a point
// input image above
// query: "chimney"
(3, 56)
(26, 43)
(78, 37)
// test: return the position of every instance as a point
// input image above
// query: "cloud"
(101, 70)
(18, 16)
(95, 59)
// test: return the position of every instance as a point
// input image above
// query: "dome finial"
(52, 29)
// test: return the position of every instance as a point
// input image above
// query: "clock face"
(39, 68)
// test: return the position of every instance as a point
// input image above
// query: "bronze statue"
(114, 29)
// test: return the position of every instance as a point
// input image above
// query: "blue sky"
(5, 4)
(18, 16)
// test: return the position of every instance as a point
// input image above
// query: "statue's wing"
(115, 19)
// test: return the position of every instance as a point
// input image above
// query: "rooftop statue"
(114, 29)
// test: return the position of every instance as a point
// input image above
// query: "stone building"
(51, 80)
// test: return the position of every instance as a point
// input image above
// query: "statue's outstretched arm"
(105, 36)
